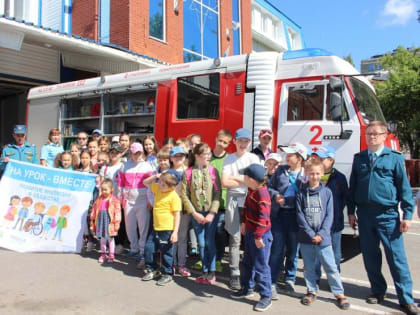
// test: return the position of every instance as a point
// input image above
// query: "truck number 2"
(318, 130)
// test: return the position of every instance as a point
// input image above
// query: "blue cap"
(177, 150)
(175, 174)
(99, 131)
(325, 152)
(243, 133)
(19, 129)
(255, 171)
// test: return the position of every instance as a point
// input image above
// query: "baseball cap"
(266, 132)
(136, 147)
(19, 129)
(243, 133)
(296, 147)
(115, 139)
(325, 152)
(99, 131)
(175, 174)
(115, 146)
(255, 171)
(177, 150)
(274, 156)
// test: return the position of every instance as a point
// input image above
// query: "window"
(306, 102)
(345, 115)
(156, 19)
(104, 20)
(198, 97)
(201, 29)
(236, 27)
(294, 37)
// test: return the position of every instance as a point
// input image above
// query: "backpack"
(212, 171)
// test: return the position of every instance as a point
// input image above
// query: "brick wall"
(119, 24)
(246, 27)
(225, 16)
(85, 18)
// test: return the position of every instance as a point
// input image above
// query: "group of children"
(275, 210)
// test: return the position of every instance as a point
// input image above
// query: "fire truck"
(308, 96)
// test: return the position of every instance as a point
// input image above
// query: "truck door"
(304, 116)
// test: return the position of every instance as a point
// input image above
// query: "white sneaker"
(119, 249)
(89, 246)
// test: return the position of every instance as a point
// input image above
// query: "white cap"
(274, 156)
(115, 139)
(297, 148)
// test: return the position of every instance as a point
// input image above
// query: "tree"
(400, 95)
(349, 59)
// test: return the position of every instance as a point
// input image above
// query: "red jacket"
(256, 212)
(114, 212)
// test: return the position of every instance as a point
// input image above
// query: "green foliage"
(349, 59)
(399, 96)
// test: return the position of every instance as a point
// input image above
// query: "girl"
(125, 146)
(65, 161)
(201, 192)
(75, 150)
(283, 187)
(105, 219)
(151, 149)
(168, 144)
(103, 159)
(93, 149)
(9, 218)
(49, 221)
(133, 196)
(53, 147)
(104, 144)
(177, 157)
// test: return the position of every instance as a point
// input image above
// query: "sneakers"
(119, 249)
(89, 247)
(274, 294)
(183, 271)
(150, 275)
(263, 304)
(211, 277)
(289, 286)
(219, 266)
(242, 293)
(141, 264)
(234, 283)
(164, 280)
(193, 252)
(131, 254)
(202, 279)
(410, 309)
(103, 258)
(375, 299)
(111, 259)
(198, 265)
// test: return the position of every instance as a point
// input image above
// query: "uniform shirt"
(49, 152)
(25, 153)
(166, 204)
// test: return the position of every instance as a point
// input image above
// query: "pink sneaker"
(183, 271)
(212, 280)
(201, 280)
(111, 259)
(102, 258)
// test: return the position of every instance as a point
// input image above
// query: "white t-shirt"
(233, 165)
(111, 172)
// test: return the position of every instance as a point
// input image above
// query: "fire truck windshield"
(366, 101)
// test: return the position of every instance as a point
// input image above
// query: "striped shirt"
(256, 212)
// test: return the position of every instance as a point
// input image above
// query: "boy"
(232, 179)
(166, 216)
(272, 163)
(314, 206)
(218, 157)
(264, 148)
(337, 183)
(255, 227)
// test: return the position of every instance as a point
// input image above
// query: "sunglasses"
(266, 131)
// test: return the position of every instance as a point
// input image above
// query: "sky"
(362, 28)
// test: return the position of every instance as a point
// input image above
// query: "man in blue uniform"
(20, 150)
(378, 185)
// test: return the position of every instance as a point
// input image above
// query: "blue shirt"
(25, 153)
(50, 151)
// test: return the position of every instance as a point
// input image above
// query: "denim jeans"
(206, 234)
(325, 255)
(336, 247)
(220, 236)
(159, 241)
(284, 229)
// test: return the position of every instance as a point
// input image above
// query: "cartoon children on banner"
(49, 221)
(34, 223)
(9, 217)
(61, 222)
(23, 212)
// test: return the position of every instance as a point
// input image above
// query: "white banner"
(43, 209)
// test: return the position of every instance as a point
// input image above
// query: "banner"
(43, 209)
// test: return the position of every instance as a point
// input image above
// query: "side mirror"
(336, 84)
(335, 106)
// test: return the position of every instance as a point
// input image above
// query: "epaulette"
(395, 151)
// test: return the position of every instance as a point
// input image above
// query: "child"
(255, 227)
(314, 206)
(165, 226)
(75, 151)
(65, 161)
(151, 149)
(219, 154)
(103, 144)
(232, 179)
(201, 192)
(133, 195)
(105, 219)
(168, 144)
(93, 149)
(9, 217)
(283, 187)
(125, 146)
(103, 160)
(264, 147)
(271, 163)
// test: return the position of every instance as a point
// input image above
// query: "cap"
(266, 132)
(325, 152)
(115, 139)
(243, 133)
(175, 174)
(255, 171)
(274, 156)
(177, 150)
(115, 146)
(298, 148)
(136, 147)
(99, 131)
(19, 129)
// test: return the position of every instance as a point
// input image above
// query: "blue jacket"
(337, 183)
(278, 184)
(381, 186)
(13, 152)
(316, 222)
